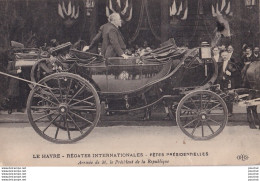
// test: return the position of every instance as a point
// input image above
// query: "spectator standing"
(230, 50)
(13, 92)
(246, 60)
(217, 58)
(227, 75)
(256, 54)
(216, 54)
(236, 80)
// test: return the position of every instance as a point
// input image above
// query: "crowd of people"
(232, 67)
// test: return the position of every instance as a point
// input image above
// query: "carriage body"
(26, 57)
(117, 76)
(69, 102)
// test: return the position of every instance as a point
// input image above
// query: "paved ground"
(154, 145)
(128, 140)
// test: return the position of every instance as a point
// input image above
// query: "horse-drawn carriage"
(64, 107)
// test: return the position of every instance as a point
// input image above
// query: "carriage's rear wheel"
(65, 110)
(202, 115)
(40, 70)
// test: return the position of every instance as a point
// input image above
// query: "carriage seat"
(85, 57)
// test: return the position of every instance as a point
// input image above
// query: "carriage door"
(123, 75)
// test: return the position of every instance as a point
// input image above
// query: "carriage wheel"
(64, 111)
(40, 70)
(202, 115)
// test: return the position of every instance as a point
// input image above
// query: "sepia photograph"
(117, 83)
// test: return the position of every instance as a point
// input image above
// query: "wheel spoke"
(214, 107)
(189, 109)
(67, 126)
(77, 93)
(210, 127)
(194, 103)
(75, 124)
(200, 101)
(50, 123)
(61, 96)
(64, 123)
(68, 90)
(45, 99)
(206, 105)
(81, 117)
(44, 92)
(43, 117)
(44, 107)
(84, 100)
(202, 129)
(195, 127)
(192, 121)
(53, 95)
(56, 134)
(216, 114)
(214, 121)
(188, 116)
(82, 108)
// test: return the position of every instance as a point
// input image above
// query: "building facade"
(189, 22)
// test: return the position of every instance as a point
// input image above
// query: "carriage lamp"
(205, 51)
(205, 54)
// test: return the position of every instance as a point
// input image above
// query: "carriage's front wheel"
(202, 115)
(65, 109)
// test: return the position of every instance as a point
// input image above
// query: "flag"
(122, 7)
(179, 9)
(221, 7)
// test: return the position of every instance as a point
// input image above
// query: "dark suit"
(256, 57)
(113, 42)
(13, 86)
(220, 59)
(13, 92)
(246, 62)
(246, 59)
(234, 77)
(219, 63)
(224, 79)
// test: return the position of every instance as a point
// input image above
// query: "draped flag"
(179, 9)
(221, 7)
(221, 10)
(69, 11)
(123, 7)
